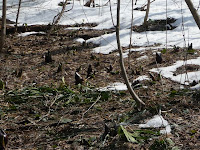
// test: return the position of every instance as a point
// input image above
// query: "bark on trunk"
(17, 17)
(194, 12)
(3, 26)
(124, 74)
(147, 14)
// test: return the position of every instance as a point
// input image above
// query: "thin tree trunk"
(3, 26)
(88, 3)
(147, 14)
(58, 18)
(130, 44)
(194, 12)
(17, 17)
(124, 74)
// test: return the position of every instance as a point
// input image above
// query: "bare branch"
(130, 89)
(56, 20)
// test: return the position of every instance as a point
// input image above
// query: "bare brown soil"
(42, 123)
(188, 68)
(156, 25)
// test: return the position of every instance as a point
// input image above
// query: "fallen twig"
(98, 98)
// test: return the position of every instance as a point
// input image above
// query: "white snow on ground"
(142, 57)
(141, 49)
(196, 87)
(156, 122)
(81, 40)
(117, 86)
(185, 78)
(77, 28)
(30, 33)
(43, 12)
(143, 77)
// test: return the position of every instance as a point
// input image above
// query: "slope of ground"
(42, 108)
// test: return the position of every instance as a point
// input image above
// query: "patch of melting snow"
(156, 122)
(142, 57)
(185, 78)
(141, 78)
(196, 87)
(140, 49)
(125, 54)
(78, 28)
(81, 40)
(30, 33)
(42, 12)
(117, 86)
